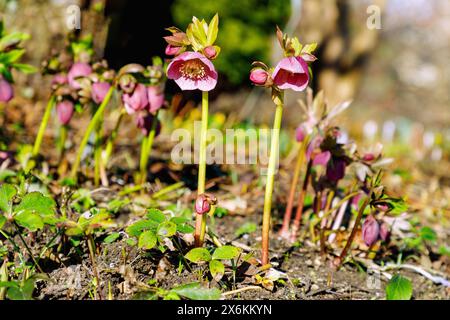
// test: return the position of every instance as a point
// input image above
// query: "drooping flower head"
(64, 110)
(78, 70)
(99, 91)
(370, 231)
(291, 73)
(137, 100)
(191, 68)
(155, 98)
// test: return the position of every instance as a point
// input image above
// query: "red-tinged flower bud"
(259, 76)
(370, 231)
(210, 52)
(369, 157)
(202, 204)
(64, 110)
(6, 91)
(385, 232)
(99, 91)
(173, 50)
(78, 70)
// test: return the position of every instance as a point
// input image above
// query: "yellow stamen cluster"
(193, 69)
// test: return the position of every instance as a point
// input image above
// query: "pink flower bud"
(173, 50)
(336, 170)
(202, 205)
(210, 52)
(259, 76)
(99, 91)
(6, 91)
(370, 231)
(369, 157)
(136, 101)
(78, 69)
(385, 233)
(64, 110)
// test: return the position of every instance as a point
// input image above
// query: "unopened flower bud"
(210, 52)
(6, 91)
(99, 91)
(370, 231)
(64, 110)
(300, 133)
(127, 83)
(78, 69)
(259, 76)
(369, 157)
(385, 233)
(173, 50)
(202, 204)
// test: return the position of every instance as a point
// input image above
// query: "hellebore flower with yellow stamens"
(191, 71)
(136, 101)
(291, 73)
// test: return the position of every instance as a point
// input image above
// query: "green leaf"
(29, 220)
(138, 227)
(197, 255)
(36, 202)
(167, 229)
(213, 30)
(2, 221)
(217, 269)
(183, 225)
(112, 237)
(156, 215)
(7, 193)
(246, 228)
(25, 68)
(147, 240)
(195, 291)
(6, 173)
(12, 39)
(226, 253)
(428, 234)
(11, 56)
(399, 288)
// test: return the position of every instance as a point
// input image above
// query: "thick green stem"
(98, 151)
(200, 224)
(146, 148)
(92, 125)
(62, 141)
(43, 126)
(112, 139)
(274, 153)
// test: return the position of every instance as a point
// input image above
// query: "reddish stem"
(300, 203)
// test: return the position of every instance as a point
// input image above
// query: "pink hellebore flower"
(99, 91)
(259, 76)
(6, 90)
(155, 98)
(78, 69)
(370, 231)
(191, 71)
(137, 100)
(291, 73)
(64, 110)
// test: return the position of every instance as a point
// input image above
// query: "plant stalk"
(200, 223)
(112, 138)
(274, 154)
(146, 149)
(43, 126)
(92, 125)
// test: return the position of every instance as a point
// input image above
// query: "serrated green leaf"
(198, 255)
(183, 225)
(36, 202)
(195, 291)
(156, 215)
(138, 227)
(2, 221)
(399, 288)
(29, 220)
(147, 240)
(217, 269)
(226, 253)
(7, 193)
(167, 229)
